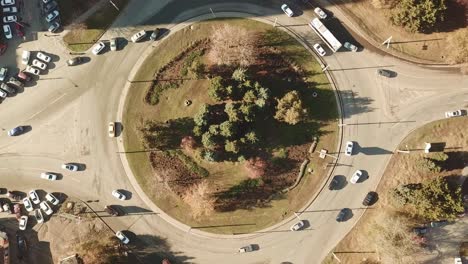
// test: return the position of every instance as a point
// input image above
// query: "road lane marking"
(45, 108)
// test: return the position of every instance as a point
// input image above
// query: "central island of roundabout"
(223, 121)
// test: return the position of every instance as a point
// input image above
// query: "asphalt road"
(70, 107)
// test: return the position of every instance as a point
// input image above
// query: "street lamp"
(112, 3)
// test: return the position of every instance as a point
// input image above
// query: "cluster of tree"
(290, 109)
(101, 249)
(432, 163)
(433, 200)
(232, 45)
(418, 15)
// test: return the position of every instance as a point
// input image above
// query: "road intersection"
(70, 108)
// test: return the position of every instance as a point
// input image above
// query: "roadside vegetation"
(70, 10)
(82, 36)
(226, 131)
(416, 188)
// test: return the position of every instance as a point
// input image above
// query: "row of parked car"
(52, 15)
(11, 19)
(114, 42)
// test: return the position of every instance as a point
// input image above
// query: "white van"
(25, 57)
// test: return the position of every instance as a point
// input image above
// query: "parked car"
(39, 64)
(23, 222)
(333, 183)
(16, 131)
(7, 88)
(420, 231)
(6, 207)
(113, 210)
(455, 113)
(46, 208)
(369, 199)
(138, 36)
(45, 1)
(25, 57)
(22, 246)
(75, 61)
(15, 82)
(38, 216)
(49, 6)
(52, 15)
(350, 46)
(10, 9)
(32, 70)
(356, 176)
(3, 94)
(14, 195)
(49, 176)
(17, 210)
(319, 50)
(43, 57)
(70, 167)
(7, 31)
(27, 204)
(342, 215)
(52, 199)
(3, 73)
(349, 148)
(245, 249)
(155, 34)
(439, 223)
(98, 48)
(7, 2)
(54, 27)
(297, 226)
(113, 44)
(111, 129)
(122, 237)
(320, 13)
(34, 197)
(23, 76)
(385, 73)
(287, 10)
(117, 194)
(9, 19)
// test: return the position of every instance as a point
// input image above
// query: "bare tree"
(256, 167)
(232, 45)
(199, 198)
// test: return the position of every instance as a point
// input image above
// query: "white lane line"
(42, 110)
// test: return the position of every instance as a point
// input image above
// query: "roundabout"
(69, 124)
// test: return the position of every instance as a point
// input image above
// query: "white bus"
(325, 34)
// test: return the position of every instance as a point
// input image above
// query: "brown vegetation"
(256, 167)
(200, 200)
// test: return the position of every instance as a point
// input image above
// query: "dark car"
(385, 73)
(7, 88)
(155, 34)
(54, 27)
(420, 231)
(113, 210)
(23, 76)
(333, 184)
(369, 199)
(49, 6)
(14, 195)
(75, 61)
(22, 245)
(15, 82)
(342, 215)
(16, 131)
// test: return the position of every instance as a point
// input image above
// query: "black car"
(333, 184)
(54, 27)
(385, 73)
(75, 61)
(7, 88)
(342, 215)
(22, 245)
(369, 199)
(155, 34)
(15, 82)
(49, 6)
(113, 210)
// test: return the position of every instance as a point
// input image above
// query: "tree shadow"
(357, 104)
(149, 249)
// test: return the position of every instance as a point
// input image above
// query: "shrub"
(427, 165)
(240, 75)
(290, 109)
(200, 200)
(418, 15)
(188, 143)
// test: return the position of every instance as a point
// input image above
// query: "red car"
(19, 30)
(3, 48)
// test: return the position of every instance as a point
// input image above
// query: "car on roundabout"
(119, 195)
(342, 215)
(349, 148)
(70, 167)
(75, 61)
(356, 176)
(16, 131)
(122, 237)
(246, 249)
(455, 113)
(333, 185)
(287, 10)
(111, 129)
(49, 176)
(98, 48)
(385, 73)
(297, 226)
(369, 199)
(318, 48)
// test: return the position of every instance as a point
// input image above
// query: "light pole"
(112, 3)
(212, 12)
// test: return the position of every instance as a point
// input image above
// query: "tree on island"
(290, 109)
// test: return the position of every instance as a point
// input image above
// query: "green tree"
(197, 69)
(428, 165)
(250, 96)
(217, 91)
(197, 131)
(251, 137)
(232, 110)
(248, 111)
(240, 74)
(214, 130)
(208, 140)
(232, 146)
(290, 109)
(201, 118)
(228, 129)
(418, 15)
(209, 155)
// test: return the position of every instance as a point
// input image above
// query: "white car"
(10, 9)
(349, 148)
(111, 129)
(356, 176)
(38, 215)
(52, 199)
(49, 176)
(27, 204)
(113, 44)
(9, 19)
(34, 197)
(7, 2)
(6, 207)
(7, 31)
(122, 237)
(98, 48)
(350, 46)
(70, 167)
(52, 15)
(32, 70)
(23, 222)
(3, 73)
(287, 10)
(319, 50)
(138, 36)
(117, 194)
(43, 57)
(320, 13)
(25, 57)
(454, 113)
(3, 94)
(46, 208)
(297, 226)
(39, 64)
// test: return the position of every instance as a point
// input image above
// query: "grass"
(402, 169)
(222, 174)
(83, 37)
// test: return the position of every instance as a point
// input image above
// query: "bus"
(325, 34)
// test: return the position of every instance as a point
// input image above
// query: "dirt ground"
(355, 247)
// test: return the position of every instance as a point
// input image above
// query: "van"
(25, 57)
(138, 36)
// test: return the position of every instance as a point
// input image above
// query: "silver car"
(319, 50)
(39, 64)
(320, 13)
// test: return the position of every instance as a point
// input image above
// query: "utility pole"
(326, 67)
(212, 12)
